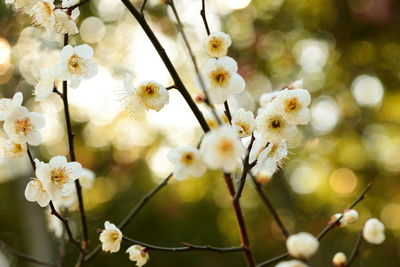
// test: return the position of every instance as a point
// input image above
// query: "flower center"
(275, 123)
(113, 235)
(59, 176)
(220, 77)
(225, 146)
(215, 43)
(23, 126)
(75, 64)
(292, 105)
(187, 158)
(244, 126)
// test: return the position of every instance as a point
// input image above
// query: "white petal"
(37, 119)
(237, 84)
(91, 69)
(17, 99)
(34, 138)
(228, 63)
(58, 161)
(84, 51)
(66, 52)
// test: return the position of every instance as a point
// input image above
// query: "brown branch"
(186, 247)
(271, 208)
(247, 166)
(240, 220)
(64, 220)
(168, 64)
(203, 15)
(70, 134)
(132, 213)
(228, 112)
(31, 159)
(323, 232)
(24, 256)
(142, 6)
(356, 250)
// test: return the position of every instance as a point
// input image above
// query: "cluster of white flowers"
(111, 238)
(302, 245)
(349, 216)
(20, 125)
(45, 14)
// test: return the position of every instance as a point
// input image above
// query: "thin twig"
(31, 159)
(355, 251)
(73, 158)
(203, 15)
(194, 60)
(66, 225)
(323, 232)
(269, 205)
(142, 6)
(228, 112)
(133, 212)
(24, 256)
(247, 166)
(186, 247)
(168, 64)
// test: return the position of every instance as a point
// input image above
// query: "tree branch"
(24, 256)
(247, 166)
(142, 6)
(323, 232)
(203, 15)
(271, 208)
(168, 64)
(73, 158)
(355, 251)
(132, 213)
(186, 247)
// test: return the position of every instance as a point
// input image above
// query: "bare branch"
(247, 166)
(355, 251)
(24, 256)
(203, 15)
(142, 6)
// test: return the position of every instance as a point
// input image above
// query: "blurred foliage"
(346, 51)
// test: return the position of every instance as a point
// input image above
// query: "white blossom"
(269, 156)
(42, 14)
(76, 64)
(221, 78)
(302, 245)
(148, 95)
(23, 126)
(374, 231)
(138, 254)
(22, 5)
(48, 81)
(291, 263)
(336, 216)
(272, 126)
(35, 192)
(222, 148)
(350, 216)
(243, 122)
(298, 84)
(87, 178)
(339, 259)
(187, 162)
(7, 105)
(267, 98)
(64, 23)
(13, 150)
(58, 176)
(69, 3)
(217, 44)
(110, 238)
(292, 105)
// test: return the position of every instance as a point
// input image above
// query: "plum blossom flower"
(221, 78)
(350, 216)
(217, 44)
(292, 105)
(298, 84)
(272, 126)
(267, 98)
(187, 162)
(87, 178)
(64, 23)
(221, 148)
(7, 105)
(13, 150)
(22, 5)
(138, 254)
(48, 81)
(148, 95)
(76, 64)
(110, 238)
(374, 231)
(58, 176)
(339, 260)
(302, 245)
(269, 156)
(69, 3)
(35, 192)
(291, 263)
(23, 126)
(42, 14)
(243, 122)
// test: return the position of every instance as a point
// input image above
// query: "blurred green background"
(347, 52)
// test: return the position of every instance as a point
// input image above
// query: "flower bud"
(339, 260)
